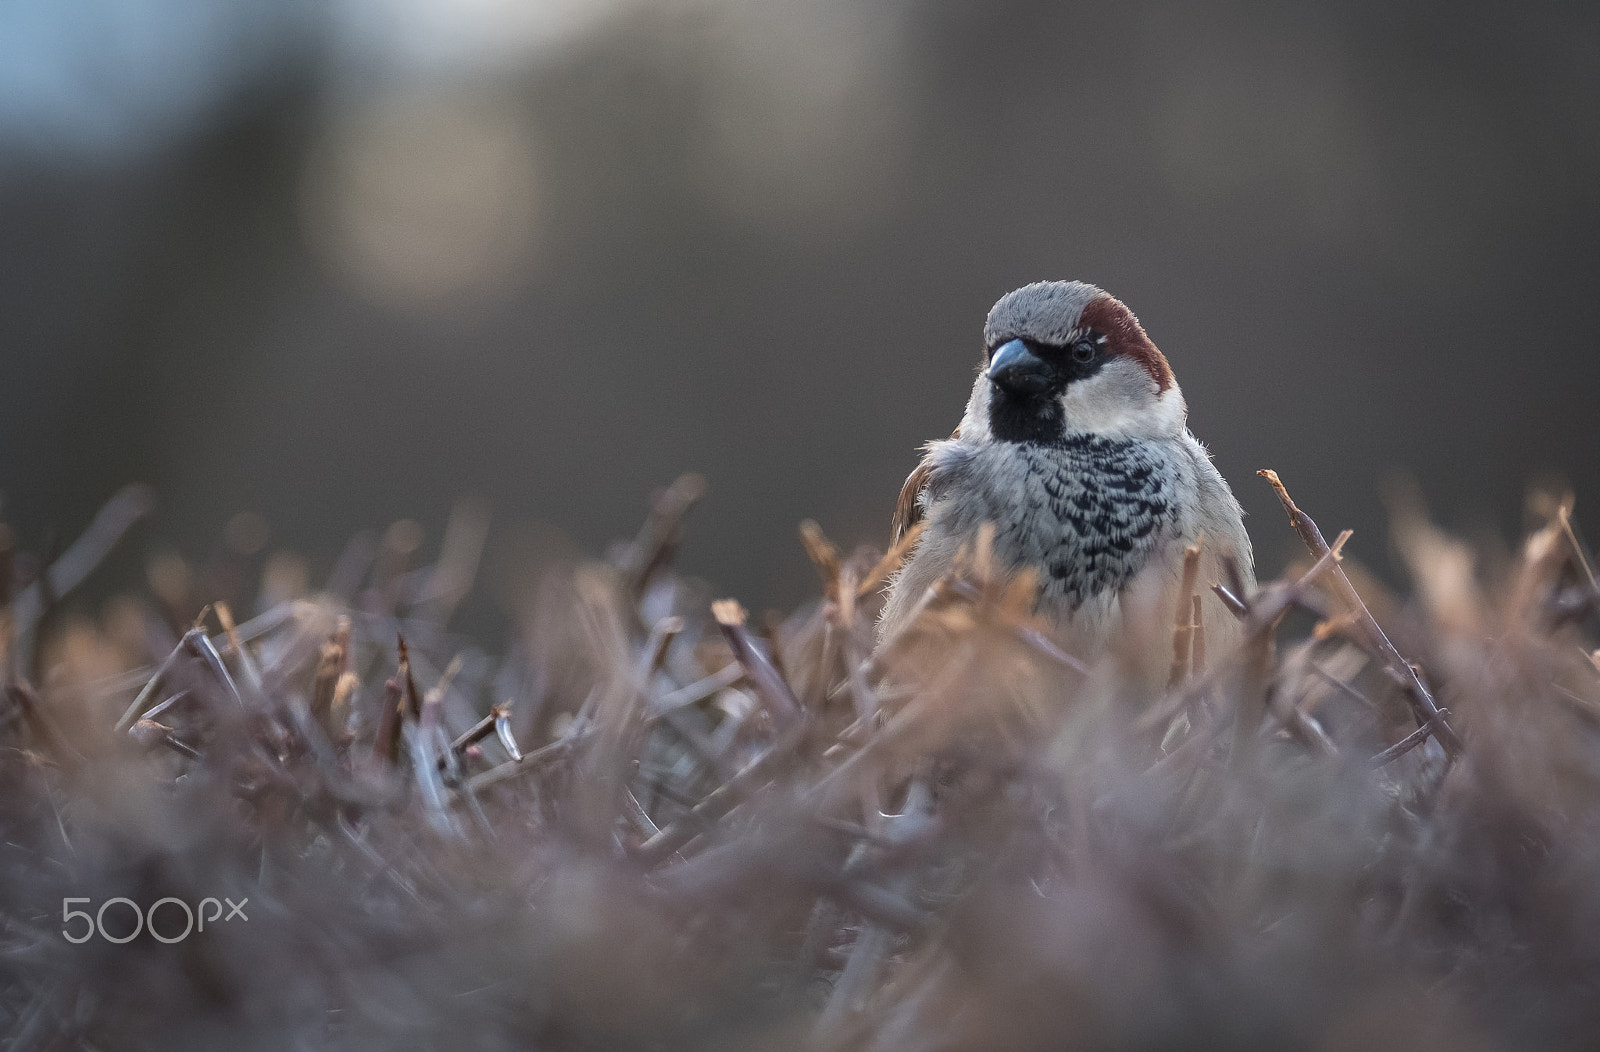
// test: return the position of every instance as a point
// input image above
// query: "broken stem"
(1418, 696)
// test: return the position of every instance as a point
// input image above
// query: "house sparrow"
(1074, 446)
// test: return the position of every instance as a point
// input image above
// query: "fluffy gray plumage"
(1103, 495)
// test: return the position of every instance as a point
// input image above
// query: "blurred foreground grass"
(652, 823)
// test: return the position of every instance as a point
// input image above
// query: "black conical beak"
(1018, 371)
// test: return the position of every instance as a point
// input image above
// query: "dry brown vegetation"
(656, 823)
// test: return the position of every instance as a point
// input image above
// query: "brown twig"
(482, 729)
(1424, 709)
(1235, 605)
(1233, 577)
(824, 554)
(697, 691)
(768, 685)
(658, 538)
(152, 685)
(156, 711)
(1046, 647)
(1183, 618)
(1343, 687)
(408, 682)
(1403, 746)
(854, 645)
(333, 664)
(149, 734)
(236, 647)
(1564, 516)
(1268, 606)
(662, 633)
(198, 644)
(719, 802)
(528, 762)
(421, 740)
(386, 745)
(619, 726)
(502, 730)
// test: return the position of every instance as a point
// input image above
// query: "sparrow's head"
(1065, 358)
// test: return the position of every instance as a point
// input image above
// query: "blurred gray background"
(345, 261)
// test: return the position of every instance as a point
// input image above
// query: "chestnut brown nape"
(1125, 336)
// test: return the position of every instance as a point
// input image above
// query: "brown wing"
(908, 509)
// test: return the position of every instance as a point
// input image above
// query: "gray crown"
(1046, 311)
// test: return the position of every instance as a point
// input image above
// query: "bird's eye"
(1083, 352)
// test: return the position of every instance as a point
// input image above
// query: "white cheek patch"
(1119, 401)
